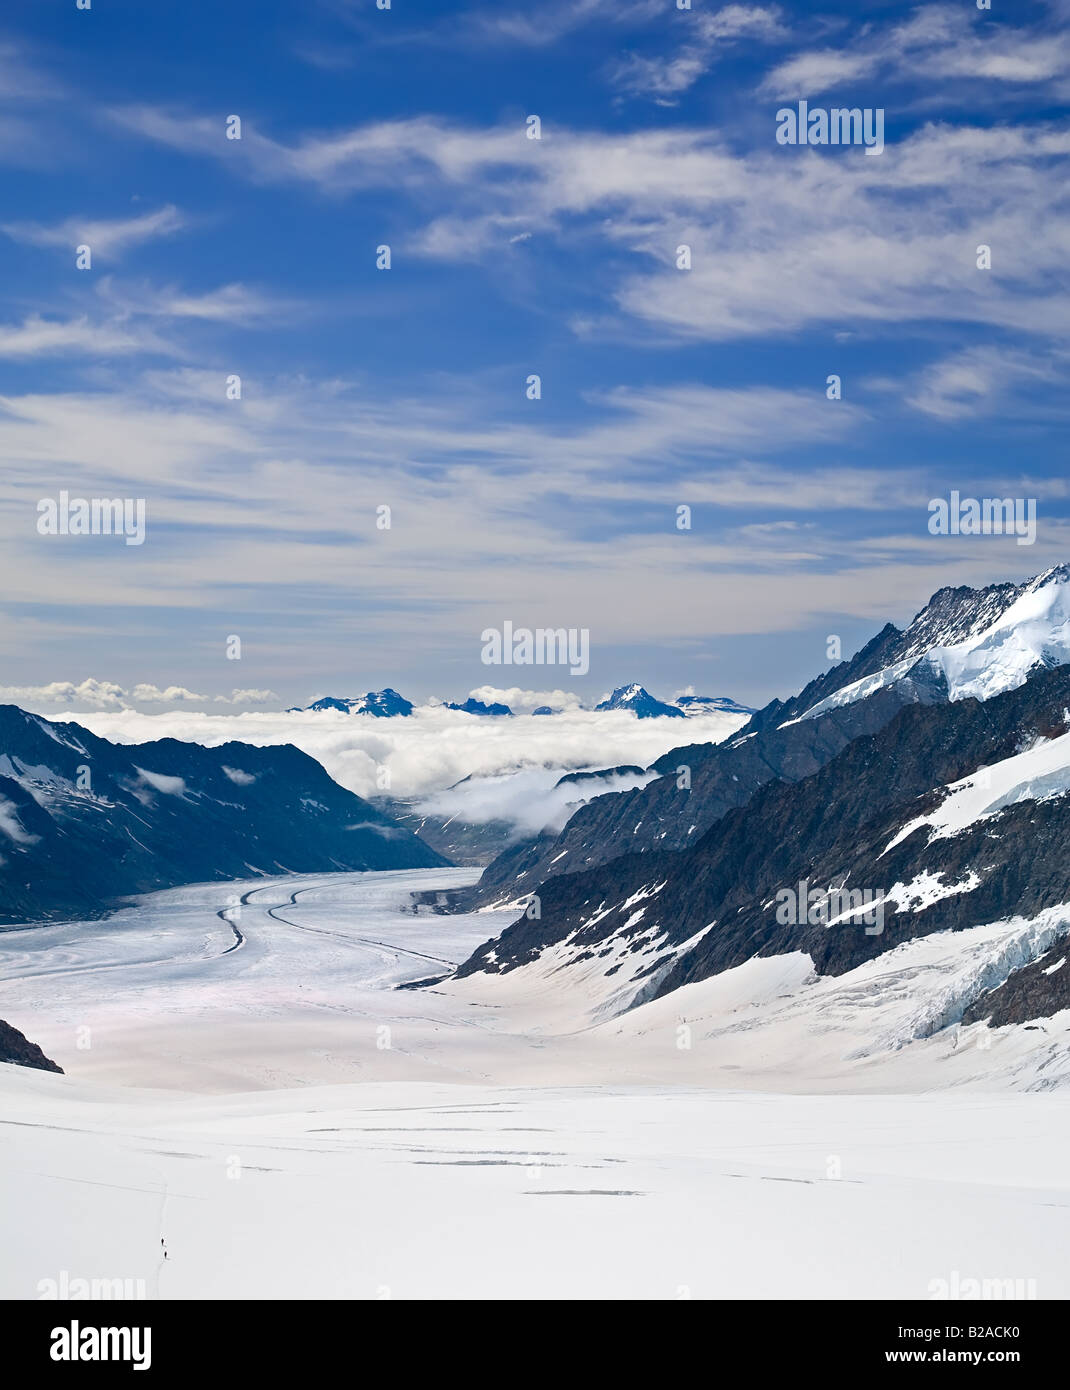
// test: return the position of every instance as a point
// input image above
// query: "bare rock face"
(1035, 992)
(786, 741)
(16, 1048)
(860, 820)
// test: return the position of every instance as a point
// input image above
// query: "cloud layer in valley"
(514, 762)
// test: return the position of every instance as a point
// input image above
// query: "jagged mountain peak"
(972, 643)
(382, 704)
(964, 827)
(1017, 629)
(640, 702)
(955, 613)
(474, 706)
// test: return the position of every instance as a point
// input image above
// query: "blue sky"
(406, 387)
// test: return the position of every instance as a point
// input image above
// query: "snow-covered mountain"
(640, 703)
(937, 789)
(1017, 627)
(474, 706)
(952, 817)
(967, 644)
(387, 703)
(704, 704)
(83, 821)
(382, 704)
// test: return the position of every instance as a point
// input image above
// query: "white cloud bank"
(108, 695)
(530, 800)
(426, 753)
(517, 698)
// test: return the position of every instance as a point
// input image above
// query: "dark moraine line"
(239, 940)
(350, 940)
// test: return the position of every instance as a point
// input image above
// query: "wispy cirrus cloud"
(980, 381)
(551, 22)
(798, 253)
(375, 155)
(261, 519)
(772, 251)
(233, 303)
(141, 318)
(37, 336)
(107, 238)
(938, 41)
(486, 25)
(708, 37)
(22, 78)
(663, 387)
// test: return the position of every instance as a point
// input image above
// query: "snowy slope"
(894, 1022)
(757, 1134)
(164, 995)
(989, 638)
(1040, 772)
(951, 816)
(437, 1191)
(1007, 643)
(703, 704)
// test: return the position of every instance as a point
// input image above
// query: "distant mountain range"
(930, 773)
(84, 821)
(388, 704)
(925, 780)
